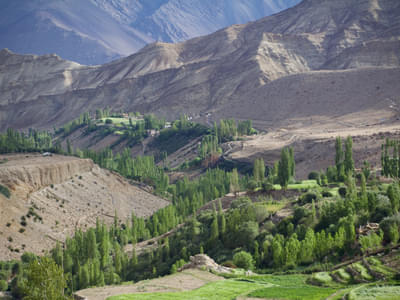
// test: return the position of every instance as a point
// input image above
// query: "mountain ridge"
(240, 63)
(96, 31)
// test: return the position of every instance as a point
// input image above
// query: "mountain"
(326, 60)
(98, 31)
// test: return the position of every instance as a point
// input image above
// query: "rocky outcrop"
(204, 262)
(39, 172)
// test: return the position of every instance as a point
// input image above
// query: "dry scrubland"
(64, 194)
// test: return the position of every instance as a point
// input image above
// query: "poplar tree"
(234, 182)
(259, 169)
(284, 168)
(348, 156)
(340, 172)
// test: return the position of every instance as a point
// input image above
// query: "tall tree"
(284, 168)
(45, 280)
(259, 169)
(234, 182)
(348, 156)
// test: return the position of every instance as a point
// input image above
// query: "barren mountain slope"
(235, 72)
(98, 31)
(62, 194)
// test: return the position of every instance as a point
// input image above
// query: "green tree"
(339, 159)
(393, 192)
(348, 156)
(259, 169)
(45, 280)
(363, 193)
(284, 170)
(234, 182)
(243, 260)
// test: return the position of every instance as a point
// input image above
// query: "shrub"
(252, 185)
(243, 260)
(241, 202)
(3, 286)
(326, 194)
(5, 191)
(342, 191)
(313, 175)
(267, 186)
(109, 121)
(28, 257)
(308, 197)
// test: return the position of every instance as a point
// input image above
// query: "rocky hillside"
(53, 196)
(97, 31)
(320, 60)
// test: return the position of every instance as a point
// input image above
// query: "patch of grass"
(377, 266)
(375, 292)
(297, 293)
(363, 271)
(343, 274)
(291, 287)
(322, 278)
(220, 290)
(119, 120)
(305, 184)
(274, 207)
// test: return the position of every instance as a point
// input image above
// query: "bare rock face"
(203, 261)
(328, 51)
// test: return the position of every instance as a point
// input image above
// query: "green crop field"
(220, 290)
(305, 184)
(120, 120)
(380, 292)
(291, 287)
(277, 287)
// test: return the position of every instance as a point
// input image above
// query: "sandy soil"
(67, 193)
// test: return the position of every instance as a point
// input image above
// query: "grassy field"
(277, 287)
(120, 120)
(220, 290)
(291, 287)
(380, 292)
(305, 184)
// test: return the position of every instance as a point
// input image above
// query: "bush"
(308, 197)
(241, 202)
(267, 186)
(28, 257)
(252, 185)
(313, 175)
(3, 286)
(326, 194)
(109, 121)
(342, 191)
(243, 260)
(5, 191)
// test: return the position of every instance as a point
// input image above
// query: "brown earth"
(67, 193)
(183, 281)
(314, 145)
(321, 60)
